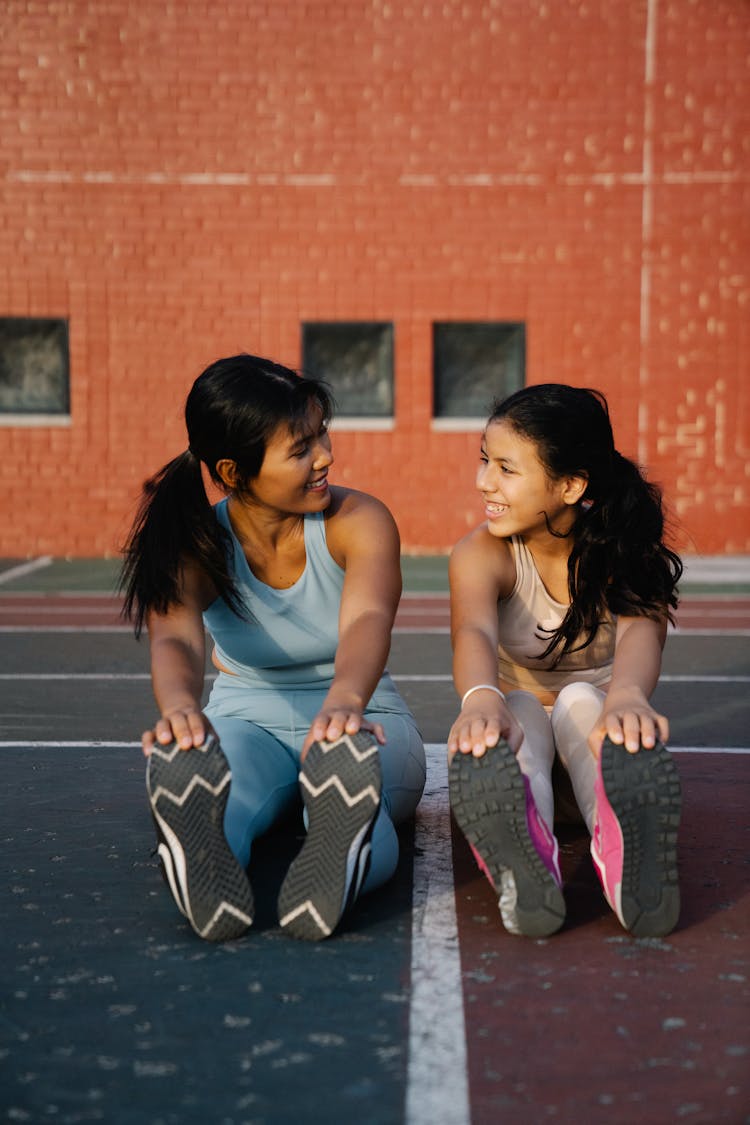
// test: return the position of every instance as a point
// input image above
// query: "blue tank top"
(289, 637)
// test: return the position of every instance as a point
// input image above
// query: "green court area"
(423, 574)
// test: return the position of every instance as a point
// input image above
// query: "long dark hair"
(234, 407)
(619, 561)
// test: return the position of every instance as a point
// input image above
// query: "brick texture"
(188, 180)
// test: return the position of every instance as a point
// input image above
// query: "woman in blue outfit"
(297, 582)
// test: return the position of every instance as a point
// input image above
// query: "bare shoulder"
(346, 502)
(482, 560)
(353, 514)
(197, 591)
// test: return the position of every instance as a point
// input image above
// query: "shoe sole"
(340, 783)
(188, 792)
(488, 799)
(644, 792)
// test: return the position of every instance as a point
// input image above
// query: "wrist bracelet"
(481, 687)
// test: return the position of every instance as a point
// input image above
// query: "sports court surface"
(422, 1009)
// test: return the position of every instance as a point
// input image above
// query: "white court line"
(416, 679)
(680, 632)
(413, 616)
(66, 629)
(437, 1090)
(60, 610)
(83, 744)
(25, 568)
(400, 630)
(701, 611)
(97, 744)
(709, 749)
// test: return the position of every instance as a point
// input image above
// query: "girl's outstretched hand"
(330, 723)
(480, 726)
(629, 720)
(187, 728)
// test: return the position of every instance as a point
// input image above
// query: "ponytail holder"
(586, 505)
(481, 687)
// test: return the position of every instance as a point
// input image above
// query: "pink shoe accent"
(607, 846)
(543, 840)
(482, 865)
(539, 834)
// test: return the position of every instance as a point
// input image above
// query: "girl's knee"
(523, 702)
(574, 701)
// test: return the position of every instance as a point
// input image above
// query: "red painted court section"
(616, 1029)
(429, 611)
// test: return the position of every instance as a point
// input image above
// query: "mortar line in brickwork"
(646, 227)
(428, 180)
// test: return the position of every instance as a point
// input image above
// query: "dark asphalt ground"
(113, 1011)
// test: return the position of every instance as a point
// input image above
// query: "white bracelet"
(481, 687)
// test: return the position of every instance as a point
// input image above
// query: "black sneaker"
(188, 791)
(340, 784)
(493, 806)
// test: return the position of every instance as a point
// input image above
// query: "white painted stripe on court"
(60, 610)
(437, 1084)
(82, 744)
(400, 630)
(97, 744)
(66, 629)
(438, 678)
(25, 568)
(709, 749)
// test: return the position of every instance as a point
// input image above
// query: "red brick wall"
(186, 180)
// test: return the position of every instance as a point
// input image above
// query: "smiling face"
(293, 477)
(517, 491)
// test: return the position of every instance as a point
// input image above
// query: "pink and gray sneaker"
(634, 843)
(493, 806)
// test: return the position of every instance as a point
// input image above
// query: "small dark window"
(34, 366)
(475, 363)
(356, 359)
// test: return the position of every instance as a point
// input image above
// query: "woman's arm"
(178, 653)
(364, 539)
(480, 571)
(627, 716)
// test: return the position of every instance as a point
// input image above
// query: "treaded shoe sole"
(340, 784)
(644, 792)
(188, 792)
(488, 799)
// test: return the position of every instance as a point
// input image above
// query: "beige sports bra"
(524, 615)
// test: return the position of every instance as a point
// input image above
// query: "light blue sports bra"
(289, 637)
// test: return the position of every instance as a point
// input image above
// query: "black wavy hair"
(618, 561)
(232, 410)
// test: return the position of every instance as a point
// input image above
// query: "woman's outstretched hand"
(330, 723)
(187, 728)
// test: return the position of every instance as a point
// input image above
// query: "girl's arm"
(178, 653)
(480, 571)
(363, 538)
(627, 716)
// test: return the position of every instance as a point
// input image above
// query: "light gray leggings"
(564, 731)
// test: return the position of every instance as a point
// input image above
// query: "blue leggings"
(264, 756)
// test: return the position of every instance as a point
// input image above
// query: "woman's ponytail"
(233, 409)
(174, 523)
